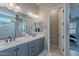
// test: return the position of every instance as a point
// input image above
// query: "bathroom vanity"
(23, 46)
(14, 27)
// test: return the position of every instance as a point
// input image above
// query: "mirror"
(12, 24)
(34, 26)
(37, 26)
(20, 26)
(7, 27)
(16, 24)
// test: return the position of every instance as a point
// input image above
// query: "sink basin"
(33, 34)
(19, 39)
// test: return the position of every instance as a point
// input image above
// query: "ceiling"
(40, 4)
(49, 4)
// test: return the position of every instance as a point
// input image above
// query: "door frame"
(67, 24)
(66, 7)
(59, 6)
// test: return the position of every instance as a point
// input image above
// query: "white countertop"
(18, 41)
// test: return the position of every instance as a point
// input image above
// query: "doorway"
(56, 31)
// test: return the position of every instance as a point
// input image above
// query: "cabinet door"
(22, 50)
(39, 45)
(9, 52)
(27, 49)
(32, 48)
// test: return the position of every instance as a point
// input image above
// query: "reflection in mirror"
(34, 26)
(37, 26)
(21, 25)
(12, 24)
(7, 27)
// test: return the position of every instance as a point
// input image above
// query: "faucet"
(7, 40)
(10, 38)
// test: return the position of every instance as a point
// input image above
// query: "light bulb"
(11, 4)
(17, 7)
(34, 15)
(37, 16)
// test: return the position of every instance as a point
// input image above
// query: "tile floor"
(54, 52)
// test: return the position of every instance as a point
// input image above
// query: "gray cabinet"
(32, 48)
(22, 50)
(9, 52)
(39, 45)
(27, 49)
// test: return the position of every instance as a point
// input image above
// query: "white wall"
(61, 30)
(43, 12)
(67, 24)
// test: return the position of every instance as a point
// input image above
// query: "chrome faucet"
(10, 38)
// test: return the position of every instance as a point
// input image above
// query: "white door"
(61, 30)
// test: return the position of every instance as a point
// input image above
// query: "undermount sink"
(20, 39)
(33, 34)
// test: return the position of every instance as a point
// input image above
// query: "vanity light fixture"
(14, 7)
(17, 7)
(33, 15)
(30, 14)
(37, 16)
(11, 4)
